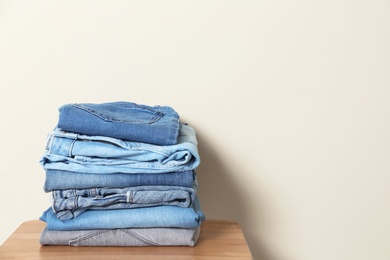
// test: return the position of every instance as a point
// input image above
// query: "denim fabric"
(123, 120)
(62, 180)
(122, 237)
(99, 154)
(69, 204)
(152, 217)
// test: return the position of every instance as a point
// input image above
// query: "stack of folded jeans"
(121, 174)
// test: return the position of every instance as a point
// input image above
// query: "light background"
(290, 101)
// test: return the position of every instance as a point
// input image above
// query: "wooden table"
(219, 239)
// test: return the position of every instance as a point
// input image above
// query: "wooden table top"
(219, 239)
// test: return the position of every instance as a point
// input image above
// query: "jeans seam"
(138, 237)
(156, 117)
(88, 236)
(71, 148)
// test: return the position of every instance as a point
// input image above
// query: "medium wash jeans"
(62, 180)
(100, 154)
(122, 237)
(152, 217)
(123, 120)
(69, 204)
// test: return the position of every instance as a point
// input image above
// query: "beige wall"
(290, 100)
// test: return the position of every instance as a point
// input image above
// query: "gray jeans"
(122, 237)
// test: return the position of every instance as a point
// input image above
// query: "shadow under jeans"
(221, 197)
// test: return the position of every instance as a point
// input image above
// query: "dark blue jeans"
(123, 120)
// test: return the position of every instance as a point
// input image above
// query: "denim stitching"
(87, 236)
(71, 148)
(138, 237)
(158, 115)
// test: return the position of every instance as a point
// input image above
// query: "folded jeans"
(69, 204)
(151, 217)
(99, 154)
(122, 237)
(123, 120)
(62, 180)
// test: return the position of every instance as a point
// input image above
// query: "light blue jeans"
(69, 204)
(99, 154)
(123, 120)
(152, 217)
(62, 180)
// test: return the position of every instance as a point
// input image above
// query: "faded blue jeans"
(62, 180)
(99, 154)
(123, 120)
(69, 204)
(152, 217)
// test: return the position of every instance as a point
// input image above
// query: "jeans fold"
(123, 120)
(103, 155)
(122, 237)
(63, 180)
(151, 217)
(69, 204)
